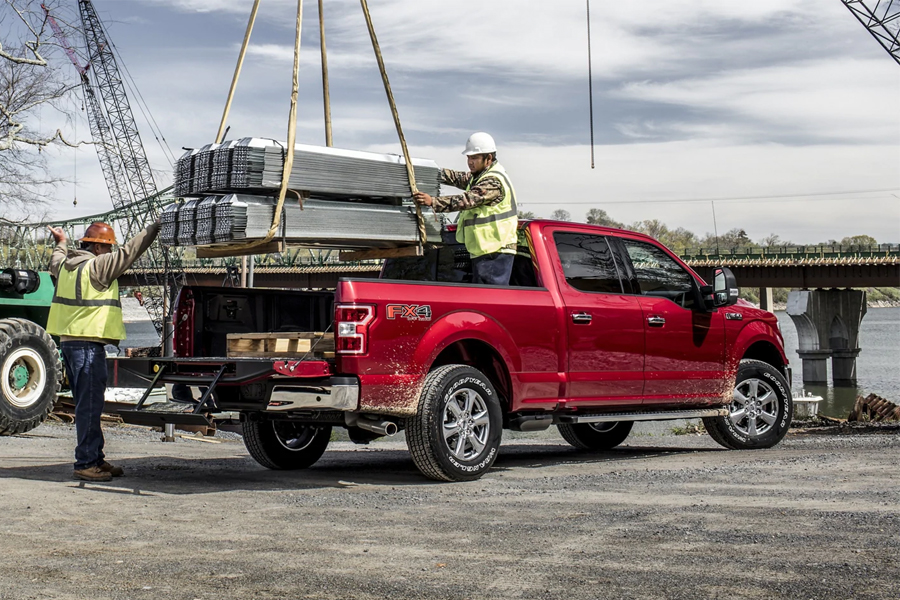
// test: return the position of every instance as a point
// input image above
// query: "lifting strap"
(410, 172)
(292, 123)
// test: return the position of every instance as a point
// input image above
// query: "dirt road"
(662, 517)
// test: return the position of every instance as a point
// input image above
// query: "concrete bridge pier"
(766, 301)
(827, 323)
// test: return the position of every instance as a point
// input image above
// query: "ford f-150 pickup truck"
(598, 328)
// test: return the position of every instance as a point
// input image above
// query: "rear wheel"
(30, 374)
(285, 445)
(596, 436)
(760, 411)
(455, 436)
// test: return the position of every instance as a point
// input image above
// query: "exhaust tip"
(390, 428)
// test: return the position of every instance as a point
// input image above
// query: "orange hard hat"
(99, 233)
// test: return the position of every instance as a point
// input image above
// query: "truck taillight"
(352, 327)
(183, 324)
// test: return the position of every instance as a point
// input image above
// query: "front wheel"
(30, 372)
(455, 436)
(285, 445)
(760, 411)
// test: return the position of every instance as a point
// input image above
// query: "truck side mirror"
(725, 289)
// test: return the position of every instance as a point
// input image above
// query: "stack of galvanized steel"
(325, 223)
(357, 199)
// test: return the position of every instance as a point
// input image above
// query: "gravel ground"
(663, 516)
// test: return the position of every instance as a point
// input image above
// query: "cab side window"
(657, 274)
(587, 262)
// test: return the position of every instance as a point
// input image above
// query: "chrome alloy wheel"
(466, 424)
(754, 408)
(293, 436)
(23, 377)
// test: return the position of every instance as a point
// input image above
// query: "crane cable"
(237, 71)
(590, 80)
(410, 172)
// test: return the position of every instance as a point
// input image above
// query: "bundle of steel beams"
(255, 165)
(235, 218)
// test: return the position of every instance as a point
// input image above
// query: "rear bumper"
(337, 393)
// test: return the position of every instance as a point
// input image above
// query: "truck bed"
(219, 312)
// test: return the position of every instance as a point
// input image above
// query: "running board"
(641, 416)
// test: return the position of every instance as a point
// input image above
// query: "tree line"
(680, 239)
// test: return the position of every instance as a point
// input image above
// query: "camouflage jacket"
(485, 192)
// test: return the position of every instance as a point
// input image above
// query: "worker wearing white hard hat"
(488, 215)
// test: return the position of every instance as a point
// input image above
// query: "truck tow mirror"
(725, 290)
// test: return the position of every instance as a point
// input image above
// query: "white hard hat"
(480, 143)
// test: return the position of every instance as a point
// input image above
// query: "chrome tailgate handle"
(581, 318)
(656, 321)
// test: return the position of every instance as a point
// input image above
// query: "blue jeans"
(492, 269)
(86, 369)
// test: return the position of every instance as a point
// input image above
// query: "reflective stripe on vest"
(490, 229)
(81, 311)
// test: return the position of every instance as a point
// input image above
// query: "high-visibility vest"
(81, 311)
(488, 229)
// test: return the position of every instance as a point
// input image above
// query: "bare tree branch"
(35, 106)
(33, 45)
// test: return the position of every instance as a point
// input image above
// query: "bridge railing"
(792, 252)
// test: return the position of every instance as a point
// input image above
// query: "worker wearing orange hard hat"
(86, 315)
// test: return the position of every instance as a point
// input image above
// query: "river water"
(878, 365)
(877, 368)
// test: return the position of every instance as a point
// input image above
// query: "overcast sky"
(787, 114)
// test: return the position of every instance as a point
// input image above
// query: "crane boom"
(100, 131)
(882, 19)
(112, 92)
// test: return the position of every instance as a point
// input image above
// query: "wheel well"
(767, 353)
(483, 357)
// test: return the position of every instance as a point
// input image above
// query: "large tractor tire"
(30, 375)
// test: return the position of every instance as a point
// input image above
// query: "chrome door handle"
(581, 318)
(656, 321)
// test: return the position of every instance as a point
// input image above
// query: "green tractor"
(31, 371)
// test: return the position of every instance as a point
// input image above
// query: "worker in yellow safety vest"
(86, 315)
(488, 216)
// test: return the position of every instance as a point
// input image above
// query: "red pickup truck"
(598, 328)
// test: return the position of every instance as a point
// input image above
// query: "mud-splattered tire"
(596, 436)
(455, 436)
(30, 375)
(760, 412)
(285, 445)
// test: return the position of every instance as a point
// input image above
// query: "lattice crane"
(882, 19)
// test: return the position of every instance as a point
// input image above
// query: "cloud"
(665, 180)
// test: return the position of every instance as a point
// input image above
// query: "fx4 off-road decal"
(410, 312)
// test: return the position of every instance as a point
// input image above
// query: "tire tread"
(10, 329)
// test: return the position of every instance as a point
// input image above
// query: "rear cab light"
(352, 328)
(183, 324)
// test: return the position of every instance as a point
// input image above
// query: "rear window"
(450, 263)
(443, 264)
(587, 262)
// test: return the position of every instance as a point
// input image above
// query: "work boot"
(111, 469)
(94, 473)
